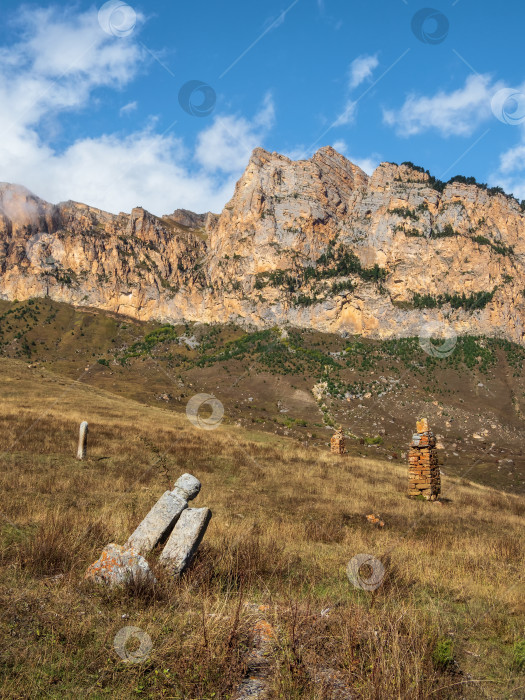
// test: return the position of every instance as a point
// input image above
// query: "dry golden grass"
(286, 521)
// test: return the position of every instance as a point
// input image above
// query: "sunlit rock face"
(296, 244)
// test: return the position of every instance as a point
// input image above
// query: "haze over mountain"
(313, 243)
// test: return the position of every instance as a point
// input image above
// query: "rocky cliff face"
(314, 243)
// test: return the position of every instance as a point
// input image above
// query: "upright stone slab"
(162, 517)
(185, 539)
(82, 440)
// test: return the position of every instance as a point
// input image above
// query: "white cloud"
(460, 113)
(348, 115)
(456, 113)
(511, 185)
(340, 147)
(513, 160)
(367, 164)
(127, 109)
(297, 153)
(227, 144)
(144, 169)
(327, 18)
(511, 171)
(361, 69)
(60, 61)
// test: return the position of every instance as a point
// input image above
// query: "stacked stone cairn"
(423, 470)
(337, 443)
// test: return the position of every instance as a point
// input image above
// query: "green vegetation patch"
(443, 654)
(335, 262)
(472, 302)
(405, 213)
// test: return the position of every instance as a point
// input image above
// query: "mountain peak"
(21, 206)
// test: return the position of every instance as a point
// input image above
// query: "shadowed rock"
(187, 218)
(159, 522)
(185, 539)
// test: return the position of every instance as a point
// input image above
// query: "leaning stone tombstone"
(82, 441)
(118, 566)
(161, 519)
(185, 539)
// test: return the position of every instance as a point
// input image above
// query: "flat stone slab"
(119, 566)
(185, 539)
(256, 684)
(253, 689)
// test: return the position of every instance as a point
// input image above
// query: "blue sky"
(90, 109)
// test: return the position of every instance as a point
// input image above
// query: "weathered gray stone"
(82, 440)
(187, 486)
(185, 539)
(119, 566)
(159, 522)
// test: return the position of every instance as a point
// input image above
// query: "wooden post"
(82, 441)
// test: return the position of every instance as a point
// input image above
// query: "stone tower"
(337, 443)
(423, 471)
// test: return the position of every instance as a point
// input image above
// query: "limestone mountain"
(313, 243)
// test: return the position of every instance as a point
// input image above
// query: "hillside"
(296, 383)
(316, 244)
(446, 621)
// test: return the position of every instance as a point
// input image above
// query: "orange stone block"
(422, 425)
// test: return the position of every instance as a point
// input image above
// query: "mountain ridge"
(313, 243)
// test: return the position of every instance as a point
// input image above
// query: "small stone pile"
(423, 471)
(337, 443)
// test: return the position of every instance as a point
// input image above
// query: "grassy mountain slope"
(473, 398)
